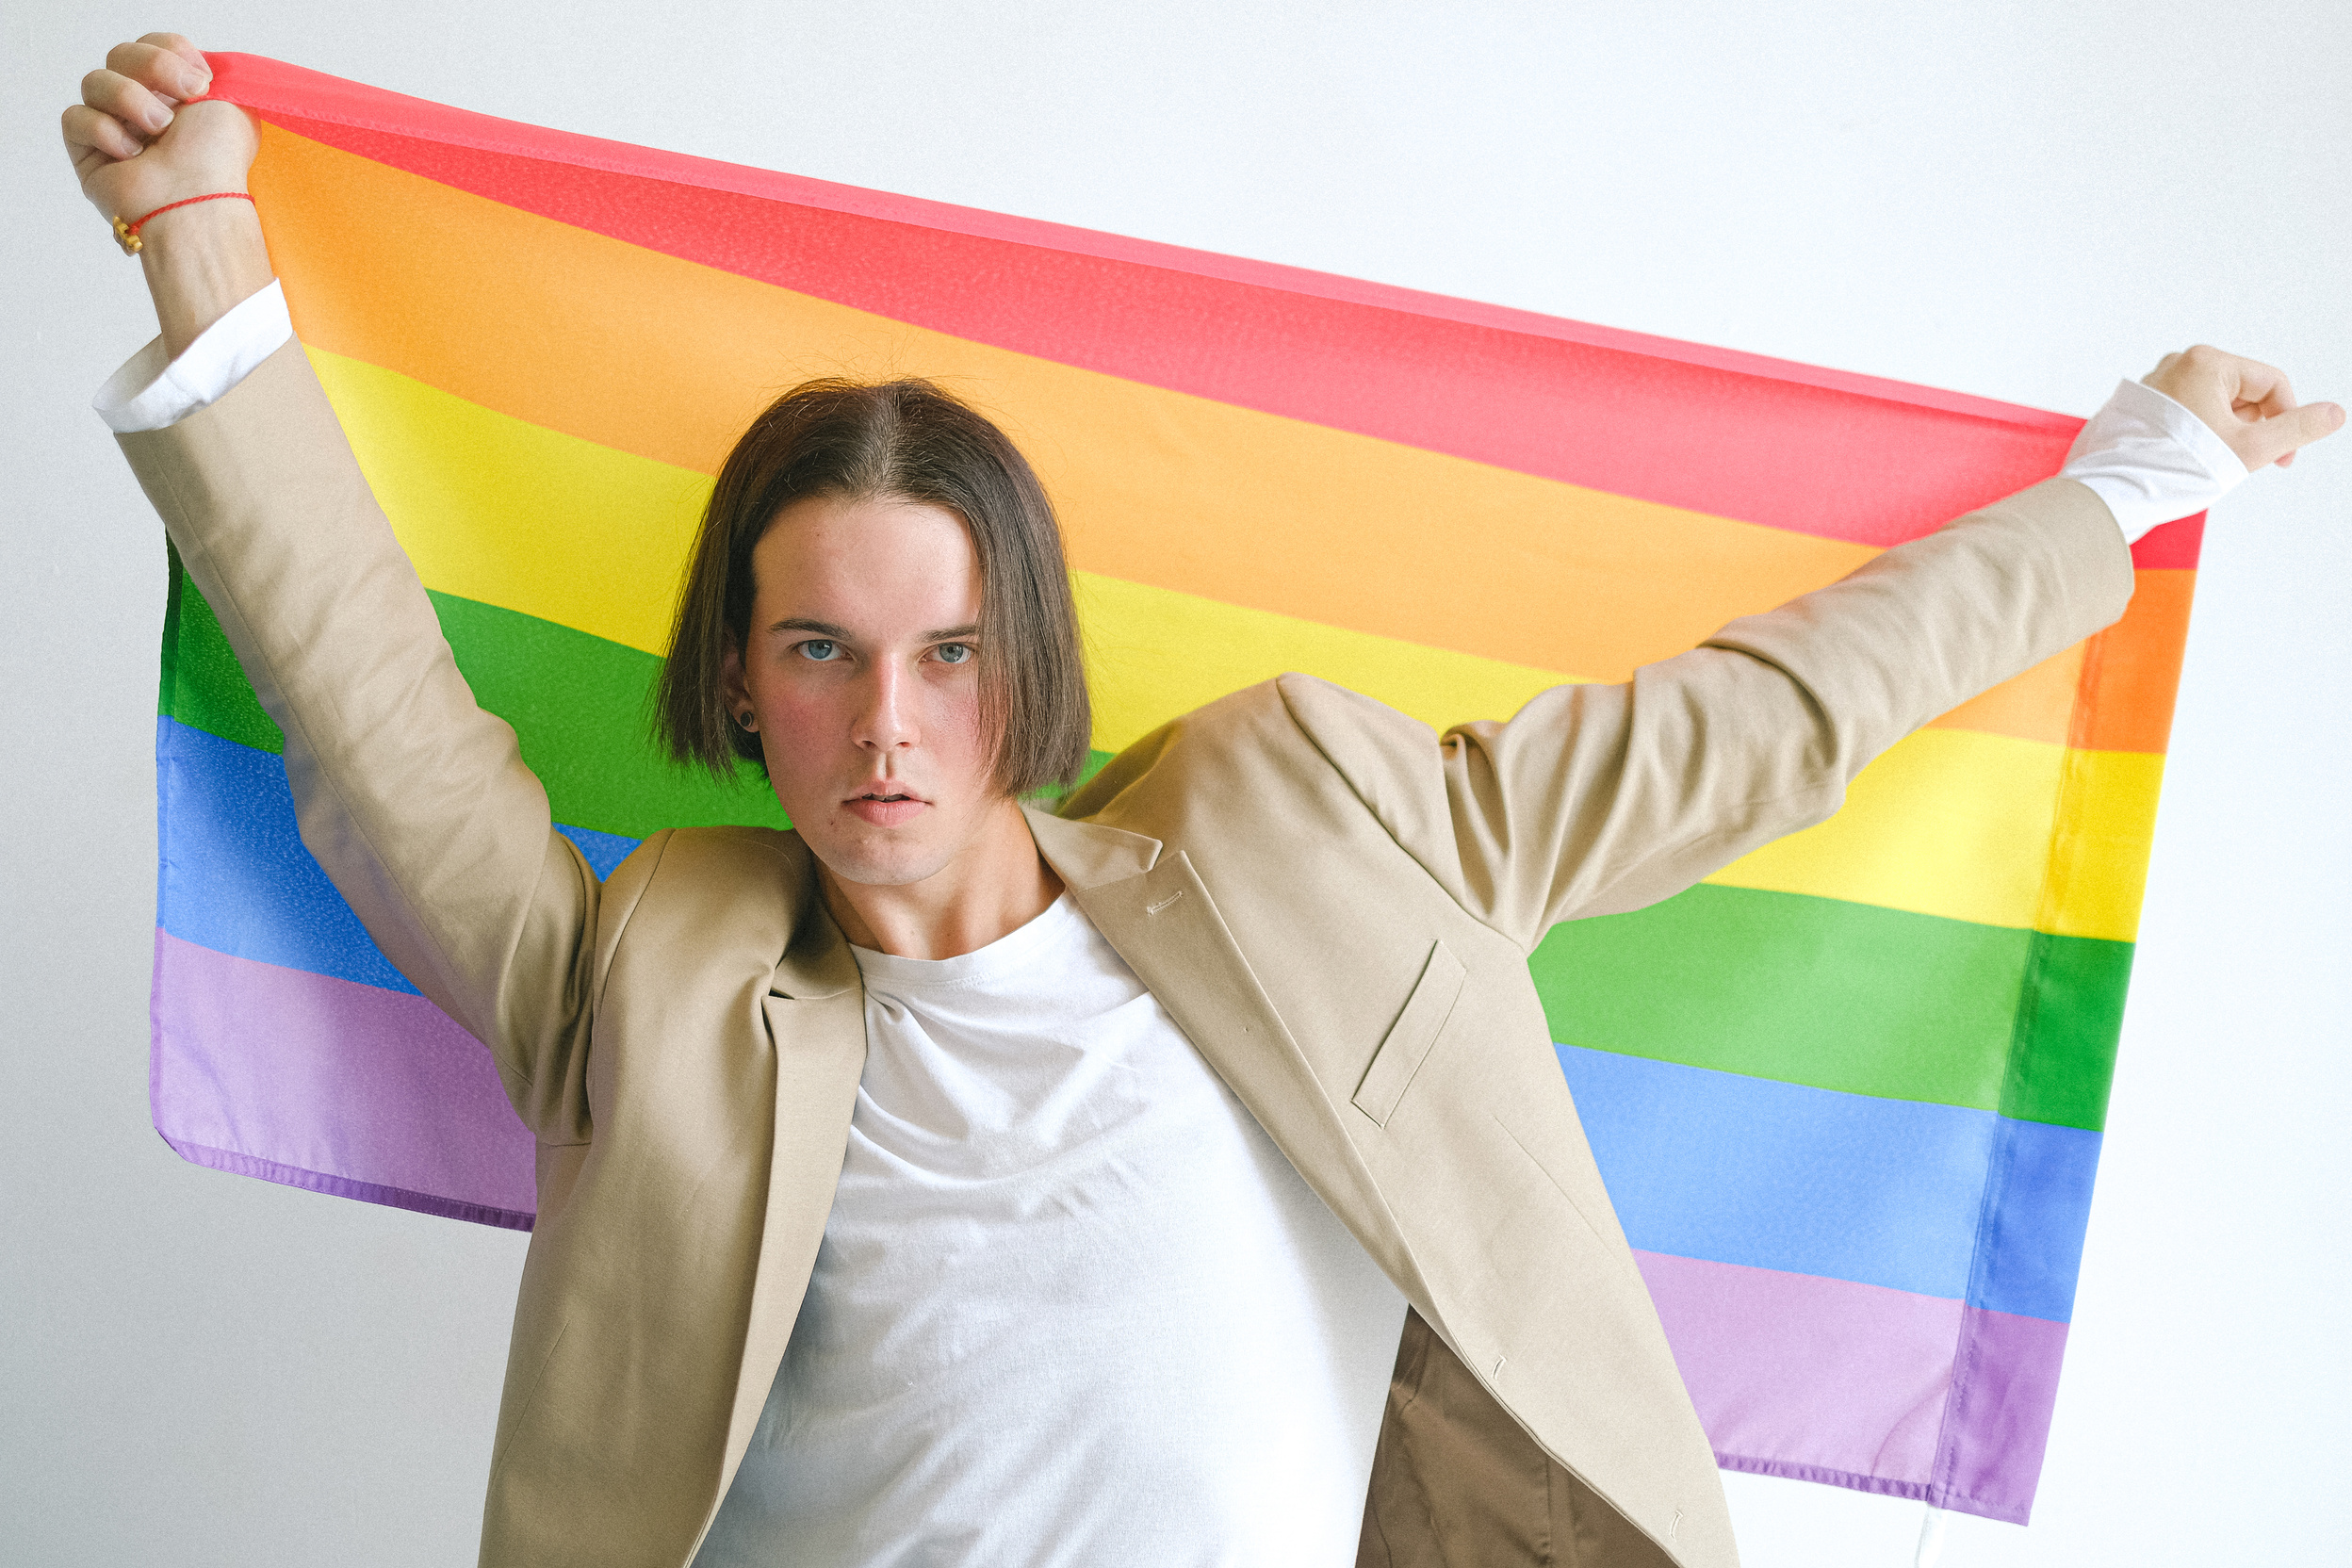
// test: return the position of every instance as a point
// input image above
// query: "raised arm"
(1598, 799)
(416, 802)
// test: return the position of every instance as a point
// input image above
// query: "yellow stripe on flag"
(1153, 654)
(2098, 865)
(1972, 826)
(507, 513)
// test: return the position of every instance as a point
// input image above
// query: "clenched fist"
(2249, 404)
(139, 137)
(142, 137)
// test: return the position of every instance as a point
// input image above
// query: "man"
(944, 1181)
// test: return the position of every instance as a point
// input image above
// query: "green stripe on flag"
(203, 686)
(579, 705)
(2068, 1033)
(1845, 996)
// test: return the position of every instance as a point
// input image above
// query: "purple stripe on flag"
(1796, 1375)
(333, 1085)
(234, 1164)
(1862, 1386)
(2004, 1381)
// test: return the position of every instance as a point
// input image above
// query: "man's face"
(862, 670)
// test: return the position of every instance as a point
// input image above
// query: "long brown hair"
(905, 440)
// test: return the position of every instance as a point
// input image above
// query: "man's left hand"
(2249, 404)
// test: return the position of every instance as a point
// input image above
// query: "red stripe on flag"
(2174, 545)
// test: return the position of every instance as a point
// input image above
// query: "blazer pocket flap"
(1410, 1037)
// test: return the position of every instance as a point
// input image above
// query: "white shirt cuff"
(150, 394)
(2151, 459)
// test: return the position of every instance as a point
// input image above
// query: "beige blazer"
(1335, 904)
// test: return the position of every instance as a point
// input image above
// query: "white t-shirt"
(1072, 1305)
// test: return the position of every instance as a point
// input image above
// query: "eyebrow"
(841, 634)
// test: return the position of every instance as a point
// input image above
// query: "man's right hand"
(142, 138)
(139, 138)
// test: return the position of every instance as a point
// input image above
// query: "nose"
(885, 720)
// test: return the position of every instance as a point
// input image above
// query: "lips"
(886, 808)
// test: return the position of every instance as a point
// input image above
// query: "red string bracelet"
(126, 235)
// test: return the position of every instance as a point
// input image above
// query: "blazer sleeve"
(416, 802)
(1596, 799)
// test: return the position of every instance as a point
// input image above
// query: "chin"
(876, 858)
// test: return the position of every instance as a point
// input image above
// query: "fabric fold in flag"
(1848, 1094)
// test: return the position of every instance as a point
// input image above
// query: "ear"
(733, 689)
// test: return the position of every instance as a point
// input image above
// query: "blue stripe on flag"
(604, 851)
(236, 879)
(1730, 1168)
(2032, 1245)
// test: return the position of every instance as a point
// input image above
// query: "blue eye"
(819, 648)
(954, 653)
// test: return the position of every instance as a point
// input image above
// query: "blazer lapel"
(1161, 920)
(816, 1017)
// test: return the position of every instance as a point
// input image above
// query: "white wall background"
(2022, 201)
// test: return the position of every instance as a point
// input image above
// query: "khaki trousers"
(1495, 1500)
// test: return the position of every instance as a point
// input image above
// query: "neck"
(995, 885)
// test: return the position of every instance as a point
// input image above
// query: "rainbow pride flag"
(1847, 1093)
